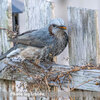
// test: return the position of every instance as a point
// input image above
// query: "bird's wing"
(27, 32)
(39, 38)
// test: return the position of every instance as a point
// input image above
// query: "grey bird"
(42, 44)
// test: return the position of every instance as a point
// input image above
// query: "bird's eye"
(54, 25)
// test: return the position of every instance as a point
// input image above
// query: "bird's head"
(53, 28)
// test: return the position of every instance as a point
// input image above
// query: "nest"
(40, 76)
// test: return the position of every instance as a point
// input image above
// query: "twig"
(12, 35)
(81, 84)
(9, 31)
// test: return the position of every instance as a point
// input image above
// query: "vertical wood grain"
(82, 36)
(37, 14)
(84, 95)
(6, 87)
(5, 22)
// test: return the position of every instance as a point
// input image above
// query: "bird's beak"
(62, 27)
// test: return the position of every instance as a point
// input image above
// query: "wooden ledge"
(85, 78)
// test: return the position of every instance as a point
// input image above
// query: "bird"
(42, 44)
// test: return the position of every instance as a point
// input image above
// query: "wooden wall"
(6, 87)
(84, 95)
(37, 14)
(5, 22)
(82, 31)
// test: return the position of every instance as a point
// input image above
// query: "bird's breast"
(59, 45)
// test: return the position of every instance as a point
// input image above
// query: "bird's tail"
(5, 54)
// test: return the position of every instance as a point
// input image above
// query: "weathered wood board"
(83, 79)
(6, 86)
(86, 80)
(84, 95)
(37, 14)
(5, 22)
(82, 30)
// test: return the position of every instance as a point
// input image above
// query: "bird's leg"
(47, 64)
(37, 64)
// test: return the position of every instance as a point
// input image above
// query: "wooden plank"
(84, 95)
(37, 14)
(82, 32)
(5, 22)
(16, 71)
(86, 79)
(6, 87)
